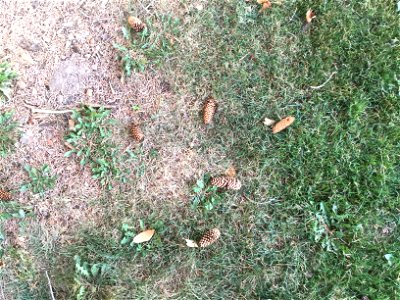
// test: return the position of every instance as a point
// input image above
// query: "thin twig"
(49, 111)
(50, 287)
(327, 229)
(65, 111)
(95, 105)
(69, 146)
(322, 85)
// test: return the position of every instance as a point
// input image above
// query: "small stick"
(327, 229)
(322, 85)
(97, 105)
(50, 287)
(69, 146)
(66, 111)
(48, 111)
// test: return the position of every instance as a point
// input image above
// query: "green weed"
(86, 276)
(8, 133)
(91, 142)
(6, 77)
(206, 195)
(41, 179)
(10, 210)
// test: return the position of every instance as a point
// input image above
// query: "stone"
(70, 76)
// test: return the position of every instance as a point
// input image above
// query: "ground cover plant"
(317, 216)
(40, 179)
(8, 133)
(90, 139)
(6, 77)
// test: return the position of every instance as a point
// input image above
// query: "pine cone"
(210, 107)
(209, 237)
(233, 184)
(220, 182)
(229, 183)
(136, 23)
(5, 196)
(137, 133)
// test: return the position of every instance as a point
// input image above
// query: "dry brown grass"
(50, 41)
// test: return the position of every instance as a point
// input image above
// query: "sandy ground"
(64, 56)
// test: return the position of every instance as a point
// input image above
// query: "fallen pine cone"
(136, 23)
(5, 196)
(137, 133)
(229, 183)
(220, 182)
(283, 124)
(234, 184)
(210, 107)
(209, 238)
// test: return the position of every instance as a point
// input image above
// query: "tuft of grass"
(150, 47)
(41, 179)
(7, 75)
(8, 133)
(91, 141)
(18, 269)
(88, 277)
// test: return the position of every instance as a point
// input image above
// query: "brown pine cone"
(229, 183)
(209, 237)
(210, 107)
(5, 196)
(233, 184)
(137, 133)
(220, 182)
(136, 23)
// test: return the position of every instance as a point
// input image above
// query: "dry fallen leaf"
(230, 172)
(209, 109)
(262, 1)
(268, 122)
(310, 15)
(144, 236)
(282, 124)
(71, 124)
(265, 6)
(191, 244)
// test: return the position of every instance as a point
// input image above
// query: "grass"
(8, 133)
(318, 215)
(150, 47)
(7, 75)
